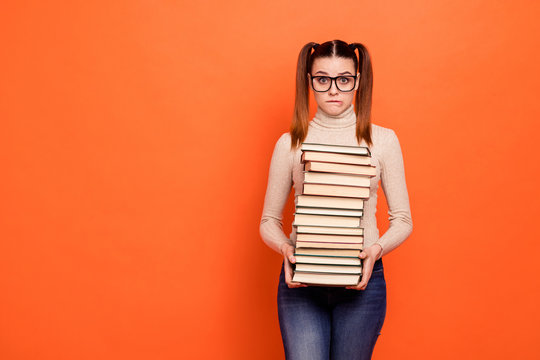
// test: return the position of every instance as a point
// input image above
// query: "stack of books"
(328, 213)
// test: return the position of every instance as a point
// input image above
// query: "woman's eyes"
(341, 79)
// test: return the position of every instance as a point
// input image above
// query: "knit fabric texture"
(286, 172)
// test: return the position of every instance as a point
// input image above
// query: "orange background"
(135, 143)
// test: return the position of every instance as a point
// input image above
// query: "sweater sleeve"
(277, 192)
(397, 197)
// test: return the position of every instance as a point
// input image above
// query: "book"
(340, 269)
(325, 211)
(326, 245)
(328, 260)
(336, 179)
(335, 158)
(339, 253)
(340, 168)
(301, 229)
(344, 149)
(330, 238)
(329, 202)
(329, 279)
(326, 220)
(336, 190)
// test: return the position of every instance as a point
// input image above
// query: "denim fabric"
(323, 322)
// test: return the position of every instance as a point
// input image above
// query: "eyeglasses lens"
(323, 83)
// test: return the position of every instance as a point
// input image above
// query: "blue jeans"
(322, 322)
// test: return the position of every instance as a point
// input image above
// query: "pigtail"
(363, 98)
(299, 125)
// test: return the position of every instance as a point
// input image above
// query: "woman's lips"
(334, 101)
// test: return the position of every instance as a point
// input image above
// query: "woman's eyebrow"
(341, 73)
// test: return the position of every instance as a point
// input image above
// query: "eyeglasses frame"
(333, 79)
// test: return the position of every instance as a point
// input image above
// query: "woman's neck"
(345, 119)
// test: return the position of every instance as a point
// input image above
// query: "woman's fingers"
(292, 284)
(365, 279)
(367, 268)
(289, 252)
(296, 285)
(363, 283)
(288, 276)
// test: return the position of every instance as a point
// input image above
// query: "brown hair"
(362, 99)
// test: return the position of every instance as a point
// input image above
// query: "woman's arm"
(397, 197)
(277, 192)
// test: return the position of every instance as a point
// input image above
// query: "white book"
(325, 211)
(344, 149)
(336, 269)
(329, 202)
(327, 260)
(336, 178)
(369, 170)
(329, 230)
(326, 220)
(336, 190)
(326, 279)
(336, 158)
(353, 239)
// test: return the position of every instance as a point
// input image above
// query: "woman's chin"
(333, 108)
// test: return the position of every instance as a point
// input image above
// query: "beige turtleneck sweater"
(286, 171)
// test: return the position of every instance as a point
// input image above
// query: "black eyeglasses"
(344, 83)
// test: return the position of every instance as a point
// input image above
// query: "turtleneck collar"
(324, 120)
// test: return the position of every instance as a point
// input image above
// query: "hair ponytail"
(363, 98)
(299, 125)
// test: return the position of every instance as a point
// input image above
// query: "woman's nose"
(333, 87)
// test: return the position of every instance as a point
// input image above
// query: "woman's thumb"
(291, 258)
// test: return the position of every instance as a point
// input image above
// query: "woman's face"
(333, 101)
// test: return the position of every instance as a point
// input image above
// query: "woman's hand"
(287, 250)
(369, 255)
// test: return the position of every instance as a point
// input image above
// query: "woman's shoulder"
(385, 140)
(381, 132)
(282, 146)
(285, 138)
(284, 141)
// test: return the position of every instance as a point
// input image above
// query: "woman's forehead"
(333, 64)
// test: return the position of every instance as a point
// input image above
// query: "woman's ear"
(357, 81)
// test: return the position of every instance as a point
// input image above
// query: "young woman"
(323, 322)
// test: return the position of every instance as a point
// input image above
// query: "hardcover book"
(327, 260)
(340, 168)
(330, 238)
(336, 179)
(329, 279)
(334, 202)
(343, 149)
(301, 229)
(325, 211)
(326, 220)
(336, 190)
(336, 158)
(325, 252)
